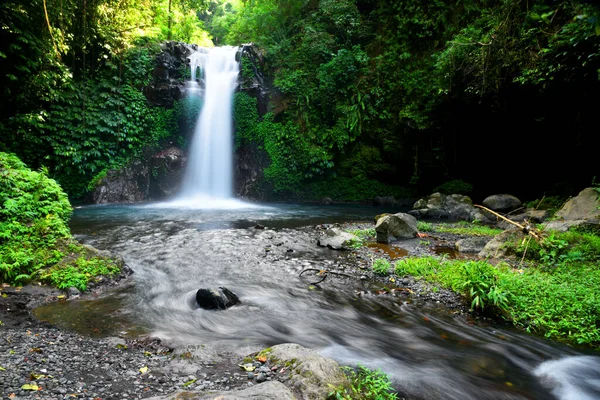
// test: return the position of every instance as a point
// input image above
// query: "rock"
(471, 244)
(310, 373)
(271, 390)
(216, 299)
(503, 245)
(167, 83)
(582, 207)
(250, 162)
(537, 216)
(580, 211)
(168, 167)
(326, 201)
(502, 202)
(128, 185)
(73, 291)
(378, 216)
(336, 239)
(396, 226)
(441, 206)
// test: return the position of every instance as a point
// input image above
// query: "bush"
(456, 186)
(34, 235)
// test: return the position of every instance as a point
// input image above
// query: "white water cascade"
(209, 175)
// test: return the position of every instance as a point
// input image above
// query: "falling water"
(209, 171)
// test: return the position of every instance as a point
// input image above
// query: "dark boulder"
(168, 168)
(502, 202)
(128, 185)
(216, 299)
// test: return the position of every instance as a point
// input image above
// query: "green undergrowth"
(458, 228)
(365, 384)
(363, 236)
(555, 296)
(467, 228)
(35, 240)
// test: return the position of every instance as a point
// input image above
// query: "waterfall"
(209, 173)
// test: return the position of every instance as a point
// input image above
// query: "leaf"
(262, 359)
(62, 296)
(247, 367)
(30, 386)
(188, 383)
(143, 370)
(2, 369)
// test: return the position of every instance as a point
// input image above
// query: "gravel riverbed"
(40, 361)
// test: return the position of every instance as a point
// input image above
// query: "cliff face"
(158, 174)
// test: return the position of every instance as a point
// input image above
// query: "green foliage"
(557, 298)
(467, 228)
(354, 189)
(381, 266)
(550, 203)
(79, 273)
(34, 235)
(423, 226)
(365, 384)
(363, 235)
(455, 186)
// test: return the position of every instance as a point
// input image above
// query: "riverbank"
(64, 363)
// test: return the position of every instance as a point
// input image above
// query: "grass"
(467, 228)
(365, 384)
(363, 236)
(381, 267)
(458, 228)
(557, 296)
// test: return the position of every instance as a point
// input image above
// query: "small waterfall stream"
(208, 176)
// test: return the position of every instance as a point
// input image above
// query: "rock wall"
(159, 173)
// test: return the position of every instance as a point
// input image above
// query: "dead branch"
(527, 228)
(322, 272)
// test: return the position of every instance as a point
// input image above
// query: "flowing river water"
(428, 352)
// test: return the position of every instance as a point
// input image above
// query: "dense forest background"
(370, 97)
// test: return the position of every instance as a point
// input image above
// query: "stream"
(428, 352)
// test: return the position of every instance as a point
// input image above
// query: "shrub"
(365, 384)
(456, 186)
(381, 266)
(34, 235)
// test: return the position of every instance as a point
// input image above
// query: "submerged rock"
(216, 299)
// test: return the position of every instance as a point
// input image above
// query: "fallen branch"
(527, 228)
(322, 272)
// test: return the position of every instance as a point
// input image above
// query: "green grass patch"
(363, 235)
(381, 266)
(365, 384)
(423, 226)
(557, 297)
(466, 228)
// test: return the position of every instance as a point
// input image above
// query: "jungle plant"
(365, 384)
(381, 266)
